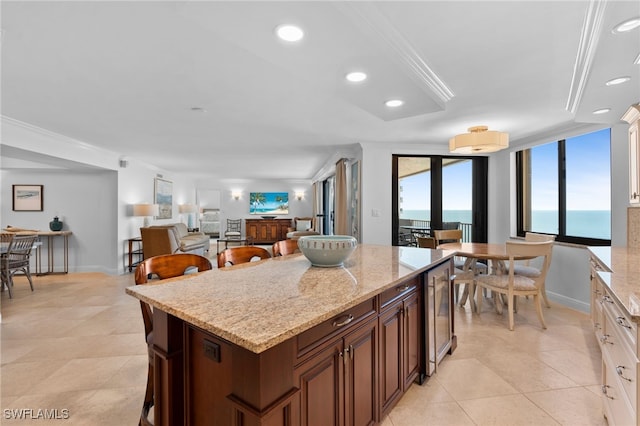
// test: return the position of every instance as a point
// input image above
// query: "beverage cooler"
(439, 338)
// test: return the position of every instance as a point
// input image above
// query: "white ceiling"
(125, 75)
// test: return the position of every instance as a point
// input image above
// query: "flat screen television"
(268, 203)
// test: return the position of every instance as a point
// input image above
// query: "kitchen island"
(282, 342)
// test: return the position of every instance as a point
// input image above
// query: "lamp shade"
(478, 140)
(187, 208)
(146, 210)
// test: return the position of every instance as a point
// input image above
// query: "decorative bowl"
(327, 250)
(268, 217)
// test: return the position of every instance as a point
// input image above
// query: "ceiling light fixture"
(356, 76)
(289, 32)
(393, 103)
(618, 80)
(479, 139)
(601, 111)
(637, 61)
(627, 25)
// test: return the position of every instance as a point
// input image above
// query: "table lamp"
(146, 210)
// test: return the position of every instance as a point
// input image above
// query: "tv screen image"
(268, 203)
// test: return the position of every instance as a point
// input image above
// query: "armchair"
(301, 226)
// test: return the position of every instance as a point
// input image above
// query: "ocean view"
(580, 223)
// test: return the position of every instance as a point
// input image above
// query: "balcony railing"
(406, 237)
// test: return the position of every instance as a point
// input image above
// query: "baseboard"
(569, 302)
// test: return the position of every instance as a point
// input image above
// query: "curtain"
(315, 203)
(341, 221)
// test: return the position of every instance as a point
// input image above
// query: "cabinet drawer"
(619, 320)
(622, 359)
(319, 334)
(397, 292)
(617, 406)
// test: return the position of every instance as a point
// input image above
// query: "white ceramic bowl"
(327, 250)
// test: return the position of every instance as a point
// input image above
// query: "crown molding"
(591, 29)
(369, 17)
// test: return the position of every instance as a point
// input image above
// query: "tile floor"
(77, 344)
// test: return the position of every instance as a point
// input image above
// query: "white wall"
(231, 208)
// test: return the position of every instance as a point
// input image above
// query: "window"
(564, 188)
(438, 192)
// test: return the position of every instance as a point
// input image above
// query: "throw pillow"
(303, 225)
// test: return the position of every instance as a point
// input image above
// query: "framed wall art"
(27, 198)
(163, 197)
(268, 203)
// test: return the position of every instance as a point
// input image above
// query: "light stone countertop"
(258, 305)
(623, 277)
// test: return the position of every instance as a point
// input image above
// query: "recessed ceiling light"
(289, 32)
(627, 25)
(618, 80)
(356, 76)
(394, 103)
(602, 111)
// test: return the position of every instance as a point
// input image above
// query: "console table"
(50, 235)
(267, 231)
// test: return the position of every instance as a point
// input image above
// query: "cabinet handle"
(620, 370)
(622, 322)
(604, 391)
(346, 321)
(607, 299)
(351, 351)
(605, 339)
(402, 288)
(635, 195)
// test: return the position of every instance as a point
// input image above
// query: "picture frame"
(163, 197)
(27, 198)
(269, 203)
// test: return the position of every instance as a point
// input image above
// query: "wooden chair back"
(534, 249)
(243, 254)
(285, 247)
(447, 236)
(166, 266)
(426, 242)
(234, 225)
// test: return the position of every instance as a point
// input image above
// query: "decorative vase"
(55, 224)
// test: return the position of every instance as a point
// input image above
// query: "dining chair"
(511, 284)
(17, 259)
(163, 266)
(285, 247)
(236, 255)
(463, 275)
(234, 228)
(426, 242)
(529, 269)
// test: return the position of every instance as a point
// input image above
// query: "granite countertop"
(260, 304)
(623, 277)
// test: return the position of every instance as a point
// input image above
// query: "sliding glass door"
(437, 192)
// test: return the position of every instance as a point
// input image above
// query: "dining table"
(496, 253)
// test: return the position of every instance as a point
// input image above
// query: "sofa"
(172, 238)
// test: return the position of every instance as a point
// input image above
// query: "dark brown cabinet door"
(361, 370)
(391, 352)
(321, 388)
(412, 338)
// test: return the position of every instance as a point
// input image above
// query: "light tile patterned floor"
(76, 344)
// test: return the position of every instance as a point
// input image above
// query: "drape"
(341, 221)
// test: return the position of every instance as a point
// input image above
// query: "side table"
(135, 252)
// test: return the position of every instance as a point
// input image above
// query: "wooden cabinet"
(632, 116)
(400, 336)
(267, 231)
(338, 383)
